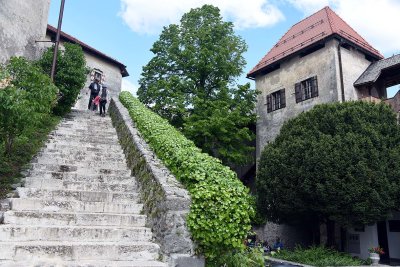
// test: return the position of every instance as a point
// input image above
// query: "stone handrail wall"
(166, 202)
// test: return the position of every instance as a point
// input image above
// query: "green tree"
(336, 163)
(70, 74)
(191, 81)
(26, 95)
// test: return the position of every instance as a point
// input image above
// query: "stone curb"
(166, 201)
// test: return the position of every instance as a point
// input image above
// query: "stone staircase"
(79, 206)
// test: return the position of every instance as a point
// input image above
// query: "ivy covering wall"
(220, 212)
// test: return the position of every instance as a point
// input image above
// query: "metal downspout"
(341, 71)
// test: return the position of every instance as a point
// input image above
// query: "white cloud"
(144, 16)
(129, 86)
(375, 21)
(310, 6)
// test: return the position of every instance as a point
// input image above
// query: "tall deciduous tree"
(191, 81)
(336, 163)
(70, 74)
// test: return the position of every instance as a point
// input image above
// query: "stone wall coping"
(172, 187)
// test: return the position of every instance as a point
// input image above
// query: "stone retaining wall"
(166, 202)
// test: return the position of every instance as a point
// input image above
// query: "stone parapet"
(166, 202)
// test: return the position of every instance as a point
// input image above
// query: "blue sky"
(126, 29)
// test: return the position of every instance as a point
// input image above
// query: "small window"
(306, 89)
(276, 100)
(97, 74)
(394, 225)
(359, 229)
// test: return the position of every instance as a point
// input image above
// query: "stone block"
(184, 260)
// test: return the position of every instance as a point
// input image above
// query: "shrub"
(220, 213)
(318, 256)
(27, 96)
(70, 74)
(337, 163)
(24, 147)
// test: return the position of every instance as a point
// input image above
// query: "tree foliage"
(191, 82)
(337, 162)
(25, 96)
(70, 74)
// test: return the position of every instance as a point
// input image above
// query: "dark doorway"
(383, 241)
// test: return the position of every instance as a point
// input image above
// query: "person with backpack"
(103, 100)
(94, 88)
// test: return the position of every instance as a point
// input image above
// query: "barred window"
(306, 89)
(276, 100)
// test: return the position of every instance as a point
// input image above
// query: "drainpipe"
(341, 70)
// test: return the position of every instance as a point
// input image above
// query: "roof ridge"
(306, 18)
(280, 39)
(330, 21)
(311, 30)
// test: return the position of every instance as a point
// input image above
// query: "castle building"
(321, 59)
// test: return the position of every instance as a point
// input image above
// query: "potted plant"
(374, 254)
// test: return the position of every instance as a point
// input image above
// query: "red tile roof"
(53, 31)
(312, 29)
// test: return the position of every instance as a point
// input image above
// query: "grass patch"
(318, 256)
(25, 147)
(250, 257)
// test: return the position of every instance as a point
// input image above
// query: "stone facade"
(111, 70)
(166, 202)
(113, 78)
(324, 64)
(22, 22)
(290, 236)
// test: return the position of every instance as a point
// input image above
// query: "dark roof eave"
(87, 48)
(355, 84)
(253, 75)
(365, 51)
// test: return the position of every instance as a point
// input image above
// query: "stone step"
(91, 118)
(32, 204)
(72, 218)
(117, 187)
(71, 159)
(95, 121)
(42, 168)
(108, 130)
(82, 146)
(78, 177)
(79, 154)
(93, 196)
(84, 129)
(105, 164)
(81, 133)
(78, 250)
(81, 263)
(65, 159)
(73, 233)
(85, 142)
(94, 138)
(88, 141)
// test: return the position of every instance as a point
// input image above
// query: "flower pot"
(375, 258)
